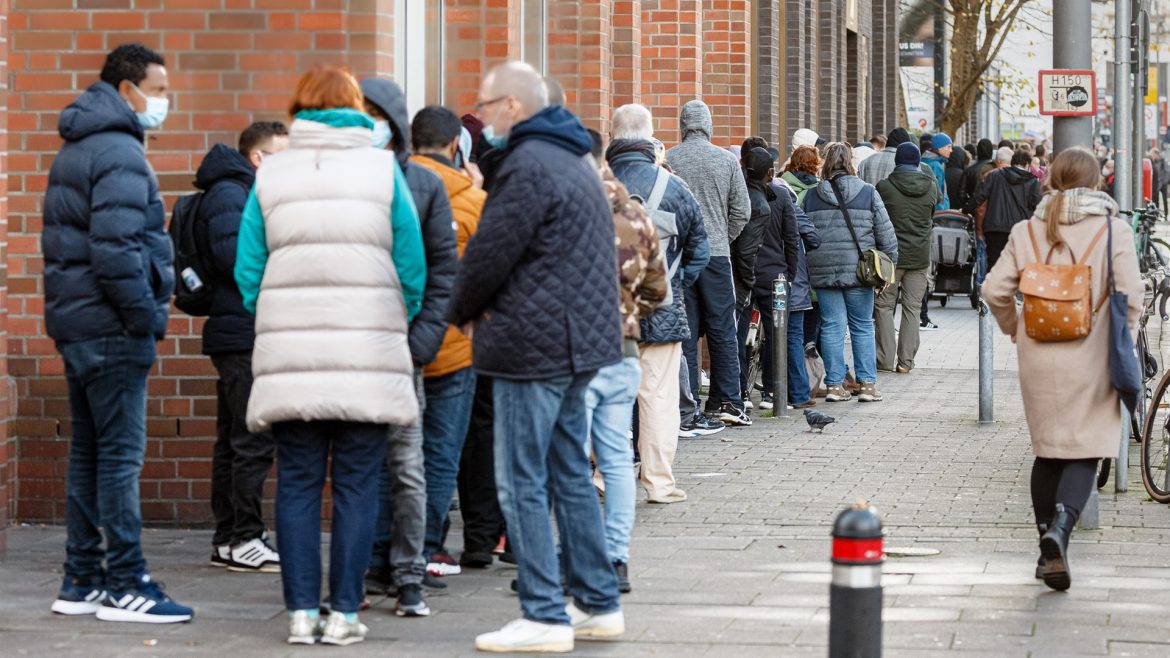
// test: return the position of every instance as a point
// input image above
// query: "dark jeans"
(241, 459)
(107, 398)
(711, 304)
(541, 455)
(1067, 481)
(402, 505)
(483, 523)
(445, 423)
(794, 343)
(995, 245)
(303, 451)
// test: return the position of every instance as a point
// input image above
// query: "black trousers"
(995, 244)
(483, 523)
(1066, 481)
(241, 459)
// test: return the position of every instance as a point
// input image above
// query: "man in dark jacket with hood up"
(242, 459)
(1012, 195)
(108, 285)
(910, 197)
(401, 530)
(757, 171)
(984, 161)
(538, 283)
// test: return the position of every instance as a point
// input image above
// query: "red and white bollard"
(855, 595)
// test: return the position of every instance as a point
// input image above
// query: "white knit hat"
(804, 137)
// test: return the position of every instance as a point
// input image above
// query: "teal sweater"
(408, 253)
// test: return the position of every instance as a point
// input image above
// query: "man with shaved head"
(537, 284)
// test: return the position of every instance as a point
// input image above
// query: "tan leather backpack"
(1058, 298)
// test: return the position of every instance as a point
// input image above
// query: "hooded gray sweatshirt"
(714, 176)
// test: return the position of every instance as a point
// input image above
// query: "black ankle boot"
(1042, 528)
(1054, 549)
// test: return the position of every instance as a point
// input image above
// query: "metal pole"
(1122, 109)
(1140, 83)
(986, 365)
(1121, 474)
(855, 595)
(780, 347)
(1072, 20)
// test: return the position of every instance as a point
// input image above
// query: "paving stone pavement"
(742, 567)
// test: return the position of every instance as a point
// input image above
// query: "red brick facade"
(235, 61)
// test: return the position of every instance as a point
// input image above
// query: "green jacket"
(910, 198)
(800, 184)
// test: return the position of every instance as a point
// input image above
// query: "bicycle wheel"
(1156, 444)
(1103, 473)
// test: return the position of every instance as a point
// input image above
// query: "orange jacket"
(466, 207)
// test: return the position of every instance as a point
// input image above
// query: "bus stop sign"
(1068, 93)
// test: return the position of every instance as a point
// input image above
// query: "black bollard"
(855, 595)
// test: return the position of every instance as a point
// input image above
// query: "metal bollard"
(986, 365)
(780, 347)
(1121, 468)
(855, 595)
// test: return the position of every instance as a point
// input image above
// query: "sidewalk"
(741, 569)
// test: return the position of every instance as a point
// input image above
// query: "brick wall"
(7, 443)
(227, 68)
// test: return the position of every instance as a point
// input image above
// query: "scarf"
(1080, 203)
(622, 146)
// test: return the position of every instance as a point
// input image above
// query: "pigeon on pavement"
(817, 420)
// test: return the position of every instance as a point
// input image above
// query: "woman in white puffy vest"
(330, 259)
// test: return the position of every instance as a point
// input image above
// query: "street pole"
(1072, 20)
(1122, 109)
(780, 347)
(1141, 76)
(986, 365)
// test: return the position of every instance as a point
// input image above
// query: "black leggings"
(1067, 481)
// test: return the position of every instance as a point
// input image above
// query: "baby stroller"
(952, 256)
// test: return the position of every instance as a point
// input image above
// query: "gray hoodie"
(714, 176)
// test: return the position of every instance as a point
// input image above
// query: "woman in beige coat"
(1074, 415)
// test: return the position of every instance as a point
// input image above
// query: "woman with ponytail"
(1073, 412)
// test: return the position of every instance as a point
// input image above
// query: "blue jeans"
(540, 429)
(107, 398)
(852, 307)
(609, 407)
(402, 506)
(711, 307)
(302, 453)
(444, 430)
(797, 373)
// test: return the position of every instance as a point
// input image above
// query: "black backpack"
(193, 284)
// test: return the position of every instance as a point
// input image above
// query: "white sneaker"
(303, 628)
(221, 556)
(340, 632)
(589, 626)
(523, 635)
(254, 556)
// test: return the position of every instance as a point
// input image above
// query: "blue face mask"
(382, 134)
(496, 141)
(155, 113)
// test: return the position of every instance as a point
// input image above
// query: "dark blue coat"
(638, 172)
(108, 260)
(782, 251)
(540, 276)
(225, 177)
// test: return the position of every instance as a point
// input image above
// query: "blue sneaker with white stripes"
(78, 598)
(144, 603)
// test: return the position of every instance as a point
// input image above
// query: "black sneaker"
(475, 560)
(431, 582)
(622, 570)
(700, 425)
(927, 325)
(410, 602)
(221, 556)
(734, 416)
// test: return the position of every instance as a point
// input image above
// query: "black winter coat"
(781, 252)
(108, 258)
(1012, 195)
(539, 276)
(429, 327)
(638, 173)
(226, 178)
(746, 245)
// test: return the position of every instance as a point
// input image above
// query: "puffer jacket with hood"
(955, 171)
(910, 197)
(538, 279)
(834, 263)
(714, 176)
(330, 259)
(429, 327)
(109, 268)
(1012, 195)
(225, 177)
(746, 247)
(938, 167)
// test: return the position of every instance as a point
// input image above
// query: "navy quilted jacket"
(108, 259)
(225, 176)
(637, 172)
(539, 276)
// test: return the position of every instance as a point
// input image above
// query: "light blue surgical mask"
(155, 113)
(496, 141)
(382, 134)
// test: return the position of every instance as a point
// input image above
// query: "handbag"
(1124, 370)
(874, 268)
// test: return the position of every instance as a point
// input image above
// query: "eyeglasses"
(482, 104)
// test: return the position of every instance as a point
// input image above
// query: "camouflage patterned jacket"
(641, 266)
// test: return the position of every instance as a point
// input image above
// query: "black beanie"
(897, 136)
(908, 154)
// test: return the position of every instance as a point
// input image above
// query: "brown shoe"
(820, 393)
(869, 392)
(807, 405)
(903, 370)
(851, 385)
(838, 394)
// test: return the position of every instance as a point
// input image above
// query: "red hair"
(325, 87)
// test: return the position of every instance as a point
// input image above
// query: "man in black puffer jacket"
(242, 459)
(108, 285)
(538, 281)
(757, 169)
(401, 530)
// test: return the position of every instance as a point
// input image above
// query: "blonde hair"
(838, 160)
(1073, 168)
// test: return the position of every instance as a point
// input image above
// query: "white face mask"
(382, 134)
(156, 111)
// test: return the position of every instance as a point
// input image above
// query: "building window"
(533, 31)
(419, 51)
